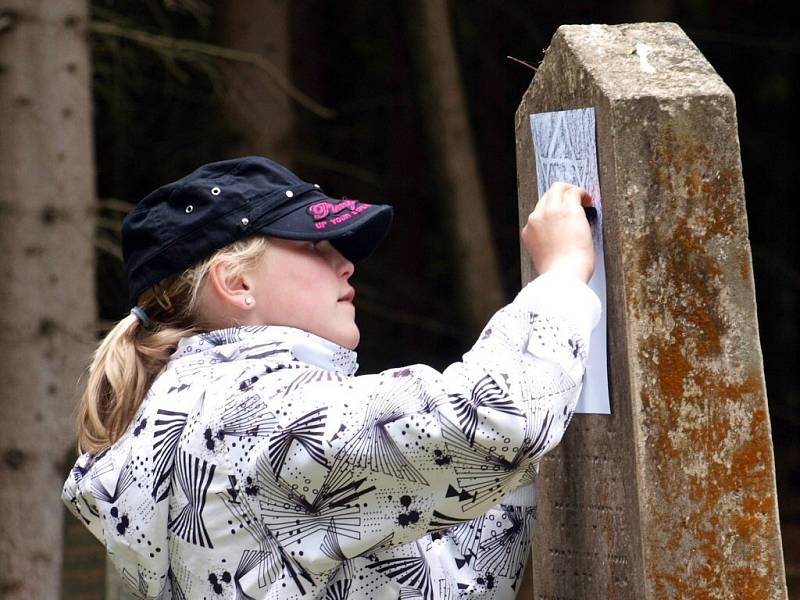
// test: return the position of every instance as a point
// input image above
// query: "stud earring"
(248, 301)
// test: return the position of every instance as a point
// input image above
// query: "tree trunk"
(47, 302)
(257, 113)
(454, 148)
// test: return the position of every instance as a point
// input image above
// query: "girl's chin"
(350, 339)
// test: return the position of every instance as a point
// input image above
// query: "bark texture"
(256, 111)
(47, 302)
(454, 147)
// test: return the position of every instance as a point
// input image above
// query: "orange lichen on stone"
(672, 369)
(693, 183)
(745, 264)
(709, 494)
(711, 468)
(662, 178)
(723, 218)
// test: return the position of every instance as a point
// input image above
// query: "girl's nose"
(346, 268)
(343, 266)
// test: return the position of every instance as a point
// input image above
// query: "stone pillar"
(673, 495)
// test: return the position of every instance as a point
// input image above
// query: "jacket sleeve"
(378, 460)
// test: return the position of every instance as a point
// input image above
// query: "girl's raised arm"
(385, 459)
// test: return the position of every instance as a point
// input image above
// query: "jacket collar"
(239, 341)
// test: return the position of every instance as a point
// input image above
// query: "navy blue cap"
(183, 222)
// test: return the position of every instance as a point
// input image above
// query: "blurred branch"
(116, 204)
(173, 48)
(108, 247)
(114, 225)
(522, 62)
(197, 8)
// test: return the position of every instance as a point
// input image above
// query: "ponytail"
(131, 356)
(124, 366)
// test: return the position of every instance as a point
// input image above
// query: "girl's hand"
(557, 235)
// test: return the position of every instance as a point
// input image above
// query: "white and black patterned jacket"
(259, 467)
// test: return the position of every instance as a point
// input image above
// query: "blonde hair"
(130, 357)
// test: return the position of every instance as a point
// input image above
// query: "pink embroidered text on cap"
(322, 211)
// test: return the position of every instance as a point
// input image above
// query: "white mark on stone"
(642, 50)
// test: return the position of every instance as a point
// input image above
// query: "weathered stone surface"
(673, 496)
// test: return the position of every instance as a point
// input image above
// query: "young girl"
(231, 452)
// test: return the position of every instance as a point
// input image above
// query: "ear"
(227, 288)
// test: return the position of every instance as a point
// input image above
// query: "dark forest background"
(158, 114)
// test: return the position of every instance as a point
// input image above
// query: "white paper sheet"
(565, 149)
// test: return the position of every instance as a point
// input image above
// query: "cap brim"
(355, 235)
(367, 235)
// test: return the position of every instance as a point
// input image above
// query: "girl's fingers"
(552, 198)
(576, 196)
(562, 196)
(543, 202)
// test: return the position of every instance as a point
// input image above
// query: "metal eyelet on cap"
(289, 193)
(215, 191)
(189, 209)
(245, 222)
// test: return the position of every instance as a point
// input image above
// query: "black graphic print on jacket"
(260, 467)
